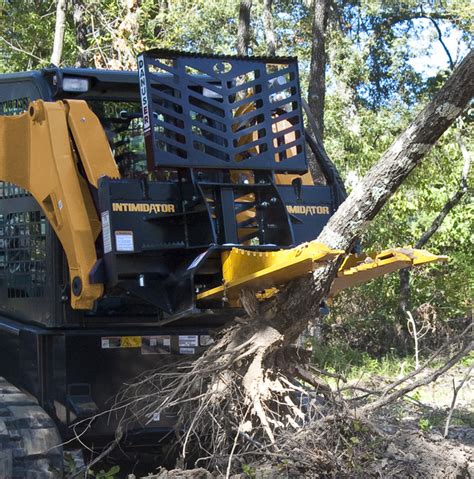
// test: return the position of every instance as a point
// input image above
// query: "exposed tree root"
(244, 400)
(299, 427)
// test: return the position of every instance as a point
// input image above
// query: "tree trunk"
(268, 27)
(59, 29)
(82, 43)
(243, 34)
(381, 182)
(317, 78)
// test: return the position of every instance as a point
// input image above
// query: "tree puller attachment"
(226, 201)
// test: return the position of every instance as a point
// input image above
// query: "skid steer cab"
(172, 190)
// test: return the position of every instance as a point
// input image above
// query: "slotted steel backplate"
(221, 111)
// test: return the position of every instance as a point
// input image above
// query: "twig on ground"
(324, 372)
(456, 390)
(436, 354)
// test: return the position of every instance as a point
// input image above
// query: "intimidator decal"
(144, 208)
(307, 210)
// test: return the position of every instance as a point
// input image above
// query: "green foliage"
(102, 474)
(352, 363)
(71, 470)
(467, 360)
(26, 35)
(424, 424)
(249, 471)
(360, 127)
(386, 36)
(358, 132)
(409, 213)
(69, 465)
(416, 395)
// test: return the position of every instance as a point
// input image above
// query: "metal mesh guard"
(222, 111)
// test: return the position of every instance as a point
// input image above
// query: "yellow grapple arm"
(39, 151)
(266, 271)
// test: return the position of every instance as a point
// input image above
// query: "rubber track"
(28, 438)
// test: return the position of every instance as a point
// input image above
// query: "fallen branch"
(427, 379)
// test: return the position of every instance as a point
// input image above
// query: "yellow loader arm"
(37, 154)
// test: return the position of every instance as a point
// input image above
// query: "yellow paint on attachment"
(265, 271)
(358, 269)
(261, 270)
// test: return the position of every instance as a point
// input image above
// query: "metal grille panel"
(9, 190)
(22, 253)
(222, 111)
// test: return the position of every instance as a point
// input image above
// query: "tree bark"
(243, 34)
(59, 30)
(317, 79)
(82, 43)
(268, 27)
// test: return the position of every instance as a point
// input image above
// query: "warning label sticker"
(114, 342)
(156, 345)
(124, 240)
(187, 350)
(185, 341)
(106, 232)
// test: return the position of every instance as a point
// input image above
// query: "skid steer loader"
(134, 207)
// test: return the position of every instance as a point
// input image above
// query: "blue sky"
(431, 56)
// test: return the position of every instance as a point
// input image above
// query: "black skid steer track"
(29, 440)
